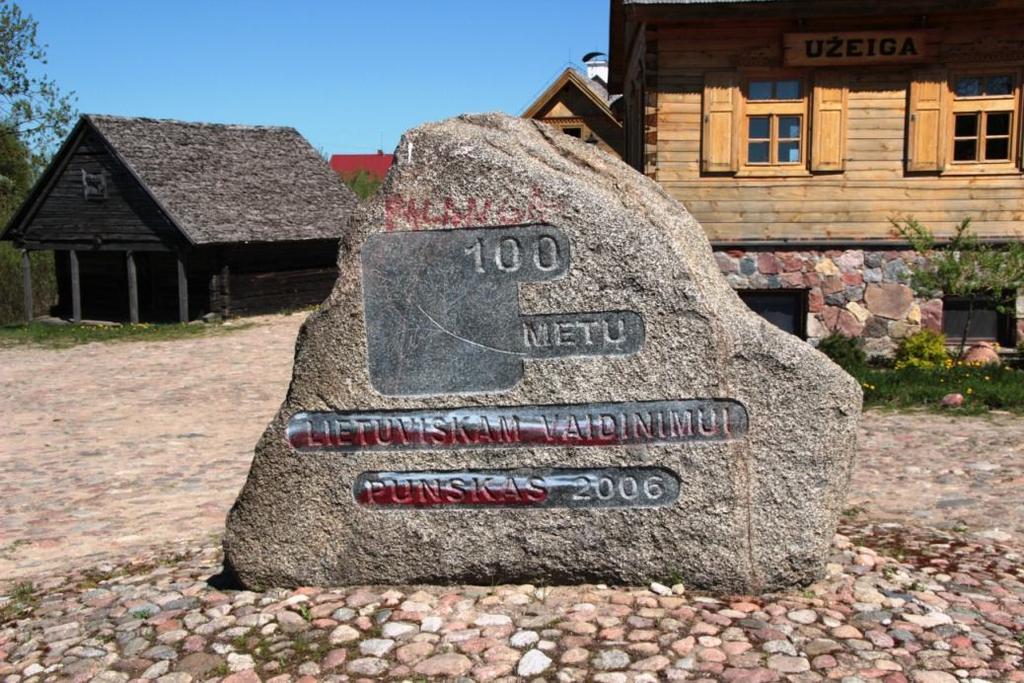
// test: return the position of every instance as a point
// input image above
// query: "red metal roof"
(348, 165)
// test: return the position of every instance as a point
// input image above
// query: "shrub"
(845, 351)
(925, 349)
(44, 283)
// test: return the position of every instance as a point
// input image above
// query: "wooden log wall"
(260, 278)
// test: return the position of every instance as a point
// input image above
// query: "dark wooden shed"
(157, 220)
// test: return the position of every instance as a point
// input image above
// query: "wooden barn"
(157, 220)
(797, 130)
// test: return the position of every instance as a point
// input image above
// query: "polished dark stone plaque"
(613, 487)
(442, 310)
(588, 424)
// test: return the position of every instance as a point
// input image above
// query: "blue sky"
(348, 75)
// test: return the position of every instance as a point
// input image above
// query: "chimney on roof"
(597, 66)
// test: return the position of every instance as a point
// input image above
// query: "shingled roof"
(228, 183)
(223, 183)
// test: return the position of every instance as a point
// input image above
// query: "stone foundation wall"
(856, 292)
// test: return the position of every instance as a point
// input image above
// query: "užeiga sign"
(856, 47)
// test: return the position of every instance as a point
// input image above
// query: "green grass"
(984, 387)
(63, 336)
(22, 600)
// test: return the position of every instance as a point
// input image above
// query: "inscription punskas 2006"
(442, 310)
(593, 424)
(522, 488)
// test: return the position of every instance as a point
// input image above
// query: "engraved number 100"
(623, 488)
(507, 254)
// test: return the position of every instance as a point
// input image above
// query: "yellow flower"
(970, 390)
(987, 378)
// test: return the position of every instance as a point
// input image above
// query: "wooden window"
(572, 127)
(773, 135)
(984, 111)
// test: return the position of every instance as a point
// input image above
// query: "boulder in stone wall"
(889, 300)
(931, 315)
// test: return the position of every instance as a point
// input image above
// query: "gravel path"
(118, 464)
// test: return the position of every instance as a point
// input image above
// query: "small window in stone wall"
(987, 323)
(786, 308)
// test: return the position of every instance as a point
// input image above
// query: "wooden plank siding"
(126, 216)
(857, 199)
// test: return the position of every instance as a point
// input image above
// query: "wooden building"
(795, 131)
(579, 105)
(155, 220)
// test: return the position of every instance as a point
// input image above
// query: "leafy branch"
(964, 266)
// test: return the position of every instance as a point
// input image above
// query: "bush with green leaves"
(846, 352)
(962, 265)
(925, 349)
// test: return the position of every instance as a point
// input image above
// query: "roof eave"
(752, 9)
(570, 75)
(57, 162)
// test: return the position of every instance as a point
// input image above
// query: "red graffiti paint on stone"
(404, 213)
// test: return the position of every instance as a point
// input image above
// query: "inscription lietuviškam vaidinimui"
(590, 424)
(442, 310)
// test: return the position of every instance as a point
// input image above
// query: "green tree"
(364, 184)
(34, 117)
(16, 176)
(964, 266)
(16, 173)
(31, 105)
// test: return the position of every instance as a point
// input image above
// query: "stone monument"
(530, 369)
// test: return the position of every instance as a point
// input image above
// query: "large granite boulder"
(581, 397)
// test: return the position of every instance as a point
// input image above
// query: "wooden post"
(182, 290)
(26, 284)
(133, 289)
(76, 289)
(225, 291)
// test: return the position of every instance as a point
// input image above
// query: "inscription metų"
(442, 310)
(591, 424)
(522, 488)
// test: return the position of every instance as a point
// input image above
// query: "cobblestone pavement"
(946, 610)
(942, 471)
(112, 456)
(107, 448)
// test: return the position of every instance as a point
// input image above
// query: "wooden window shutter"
(721, 104)
(926, 121)
(828, 125)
